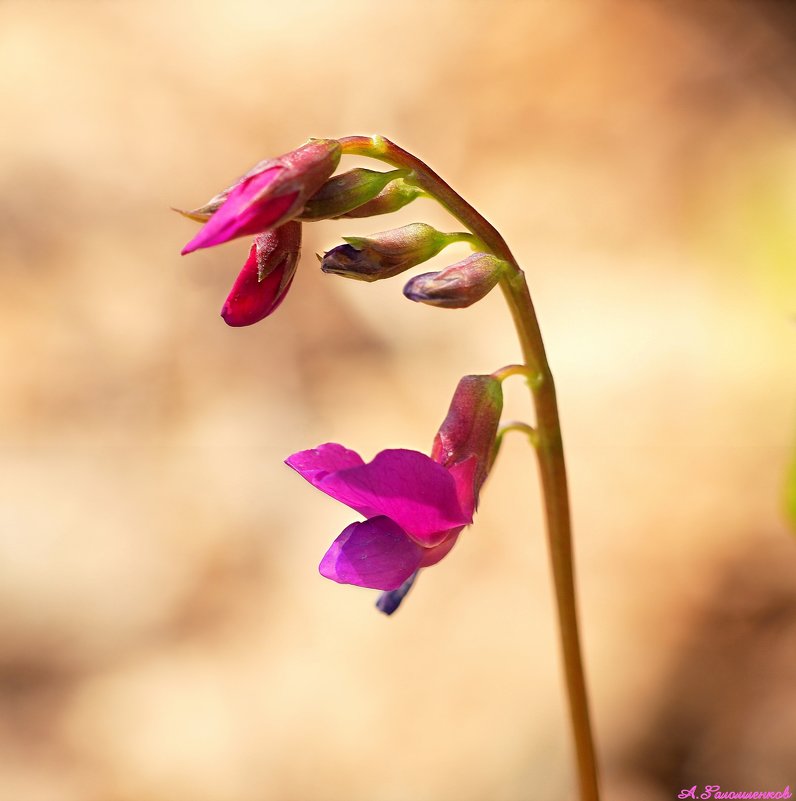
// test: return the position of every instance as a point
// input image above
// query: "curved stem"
(549, 448)
(520, 427)
(512, 425)
(515, 369)
(461, 236)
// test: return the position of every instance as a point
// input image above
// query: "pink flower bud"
(459, 285)
(385, 254)
(269, 195)
(346, 192)
(266, 276)
(465, 439)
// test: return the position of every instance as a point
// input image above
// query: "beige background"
(164, 635)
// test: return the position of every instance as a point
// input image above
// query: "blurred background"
(164, 634)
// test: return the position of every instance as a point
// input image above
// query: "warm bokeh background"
(164, 635)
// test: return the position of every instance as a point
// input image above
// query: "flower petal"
(316, 464)
(464, 476)
(376, 554)
(406, 486)
(247, 210)
(433, 555)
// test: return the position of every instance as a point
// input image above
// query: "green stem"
(549, 447)
(520, 427)
(512, 425)
(462, 236)
(515, 369)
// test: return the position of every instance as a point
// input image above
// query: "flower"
(269, 195)
(266, 276)
(415, 505)
(415, 510)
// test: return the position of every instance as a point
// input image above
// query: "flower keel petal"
(376, 554)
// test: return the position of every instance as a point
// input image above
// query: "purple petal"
(316, 464)
(376, 554)
(406, 486)
(247, 210)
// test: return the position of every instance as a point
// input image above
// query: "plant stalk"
(549, 446)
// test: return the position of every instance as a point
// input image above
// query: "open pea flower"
(415, 505)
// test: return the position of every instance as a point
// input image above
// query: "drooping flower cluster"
(415, 506)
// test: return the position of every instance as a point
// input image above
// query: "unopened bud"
(459, 285)
(385, 254)
(468, 432)
(266, 276)
(267, 196)
(394, 196)
(346, 192)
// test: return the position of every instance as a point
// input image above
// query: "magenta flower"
(416, 506)
(415, 510)
(268, 196)
(266, 276)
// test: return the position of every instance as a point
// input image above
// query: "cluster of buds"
(274, 198)
(415, 505)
